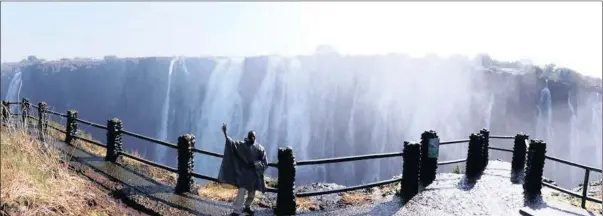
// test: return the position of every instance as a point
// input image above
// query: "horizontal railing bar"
(452, 162)
(34, 106)
(454, 142)
(164, 143)
(56, 128)
(149, 162)
(56, 113)
(571, 192)
(273, 165)
(91, 141)
(271, 190)
(9, 103)
(370, 185)
(207, 153)
(91, 123)
(499, 149)
(349, 158)
(501, 137)
(201, 176)
(572, 163)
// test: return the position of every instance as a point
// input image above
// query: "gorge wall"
(323, 105)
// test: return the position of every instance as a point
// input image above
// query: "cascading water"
(14, 89)
(163, 129)
(488, 122)
(222, 104)
(544, 114)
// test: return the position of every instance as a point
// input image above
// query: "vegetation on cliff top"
(34, 180)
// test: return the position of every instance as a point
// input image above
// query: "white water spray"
(163, 129)
(14, 89)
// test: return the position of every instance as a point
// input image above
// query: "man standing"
(243, 166)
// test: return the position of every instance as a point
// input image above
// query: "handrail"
(454, 142)
(573, 163)
(348, 158)
(499, 149)
(589, 198)
(91, 123)
(56, 113)
(90, 141)
(501, 137)
(149, 162)
(207, 153)
(345, 189)
(452, 161)
(55, 128)
(164, 143)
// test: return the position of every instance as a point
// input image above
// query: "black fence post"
(25, 112)
(534, 170)
(518, 162)
(585, 188)
(113, 139)
(285, 199)
(5, 113)
(485, 144)
(473, 164)
(42, 123)
(411, 156)
(71, 127)
(186, 143)
(429, 157)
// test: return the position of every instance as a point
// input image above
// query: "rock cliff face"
(322, 105)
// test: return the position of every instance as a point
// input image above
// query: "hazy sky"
(568, 34)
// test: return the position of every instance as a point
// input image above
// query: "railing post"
(42, 123)
(429, 157)
(71, 126)
(25, 112)
(473, 164)
(411, 156)
(585, 187)
(5, 108)
(286, 200)
(113, 139)
(518, 162)
(534, 170)
(485, 144)
(185, 163)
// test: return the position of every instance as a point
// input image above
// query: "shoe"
(248, 211)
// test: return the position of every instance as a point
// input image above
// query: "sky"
(565, 33)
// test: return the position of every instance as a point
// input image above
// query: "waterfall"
(163, 129)
(14, 89)
(222, 104)
(544, 114)
(488, 121)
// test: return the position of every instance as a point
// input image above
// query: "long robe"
(235, 170)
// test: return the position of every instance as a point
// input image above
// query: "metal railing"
(587, 169)
(583, 196)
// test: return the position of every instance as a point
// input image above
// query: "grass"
(34, 180)
(457, 170)
(355, 198)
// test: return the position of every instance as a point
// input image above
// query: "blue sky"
(565, 33)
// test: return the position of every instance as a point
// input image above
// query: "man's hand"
(224, 128)
(251, 165)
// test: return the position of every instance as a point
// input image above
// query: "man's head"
(250, 137)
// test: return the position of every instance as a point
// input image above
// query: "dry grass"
(306, 203)
(591, 206)
(218, 192)
(35, 181)
(355, 198)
